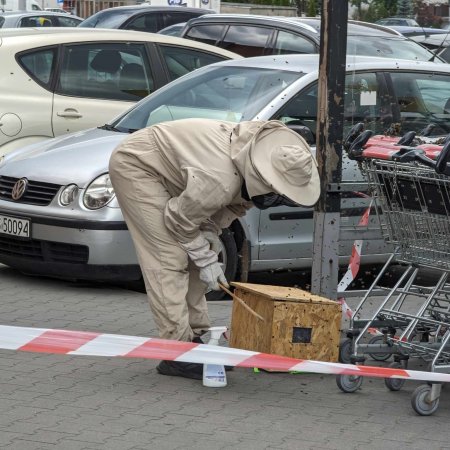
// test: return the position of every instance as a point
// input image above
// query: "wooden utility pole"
(333, 43)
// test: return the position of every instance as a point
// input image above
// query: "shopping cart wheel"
(348, 383)
(378, 356)
(345, 351)
(420, 402)
(394, 384)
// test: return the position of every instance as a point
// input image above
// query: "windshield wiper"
(109, 127)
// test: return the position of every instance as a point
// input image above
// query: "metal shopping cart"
(411, 185)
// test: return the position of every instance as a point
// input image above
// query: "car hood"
(75, 158)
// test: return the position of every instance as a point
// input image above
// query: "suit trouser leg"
(175, 292)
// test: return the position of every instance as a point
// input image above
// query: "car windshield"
(387, 47)
(106, 19)
(215, 92)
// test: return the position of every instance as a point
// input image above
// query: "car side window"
(208, 34)
(68, 21)
(366, 100)
(39, 64)
(246, 40)
(423, 100)
(35, 21)
(107, 71)
(171, 18)
(301, 109)
(293, 43)
(2, 21)
(180, 61)
(146, 22)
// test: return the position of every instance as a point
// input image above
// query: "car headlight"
(68, 194)
(99, 193)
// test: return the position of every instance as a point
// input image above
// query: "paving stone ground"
(89, 403)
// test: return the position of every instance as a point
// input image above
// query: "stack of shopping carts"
(411, 184)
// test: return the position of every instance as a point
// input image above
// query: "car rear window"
(68, 21)
(39, 64)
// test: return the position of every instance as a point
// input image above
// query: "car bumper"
(75, 249)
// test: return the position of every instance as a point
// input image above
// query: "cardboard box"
(296, 323)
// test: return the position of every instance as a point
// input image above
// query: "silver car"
(24, 19)
(58, 212)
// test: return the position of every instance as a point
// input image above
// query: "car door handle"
(69, 114)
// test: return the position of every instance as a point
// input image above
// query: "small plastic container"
(214, 375)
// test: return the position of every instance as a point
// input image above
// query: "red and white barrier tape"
(83, 343)
(353, 268)
(355, 258)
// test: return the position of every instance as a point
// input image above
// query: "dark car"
(142, 18)
(263, 35)
(37, 19)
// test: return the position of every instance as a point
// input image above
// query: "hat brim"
(305, 195)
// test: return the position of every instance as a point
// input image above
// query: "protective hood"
(273, 158)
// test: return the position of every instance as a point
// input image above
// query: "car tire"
(228, 258)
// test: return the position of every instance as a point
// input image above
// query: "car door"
(97, 82)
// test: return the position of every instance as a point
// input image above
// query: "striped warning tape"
(83, 343)
(353, 268)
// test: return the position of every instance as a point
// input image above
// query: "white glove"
(212, 275)
(206, 260)
(214, 241)
(199, 251)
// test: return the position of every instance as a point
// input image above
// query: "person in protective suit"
(178, 185)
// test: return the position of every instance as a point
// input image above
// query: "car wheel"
(228, 259)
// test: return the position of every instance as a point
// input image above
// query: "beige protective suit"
(172, 181)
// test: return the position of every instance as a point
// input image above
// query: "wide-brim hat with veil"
(276, 159)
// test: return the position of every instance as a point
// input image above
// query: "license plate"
(14, 226)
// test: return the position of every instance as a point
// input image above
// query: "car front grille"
(45, 251)
(37, 192)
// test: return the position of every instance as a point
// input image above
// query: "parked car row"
(250, 35)
(68, 223)
(58, 211)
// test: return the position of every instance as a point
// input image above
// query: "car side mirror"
(304, 132)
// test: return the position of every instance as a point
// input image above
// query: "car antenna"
(441, 45)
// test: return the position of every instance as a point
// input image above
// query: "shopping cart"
(411, 184)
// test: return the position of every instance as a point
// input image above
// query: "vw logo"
(19, 189)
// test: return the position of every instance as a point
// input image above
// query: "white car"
(58, 81)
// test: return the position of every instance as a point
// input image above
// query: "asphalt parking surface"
(86, 403)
